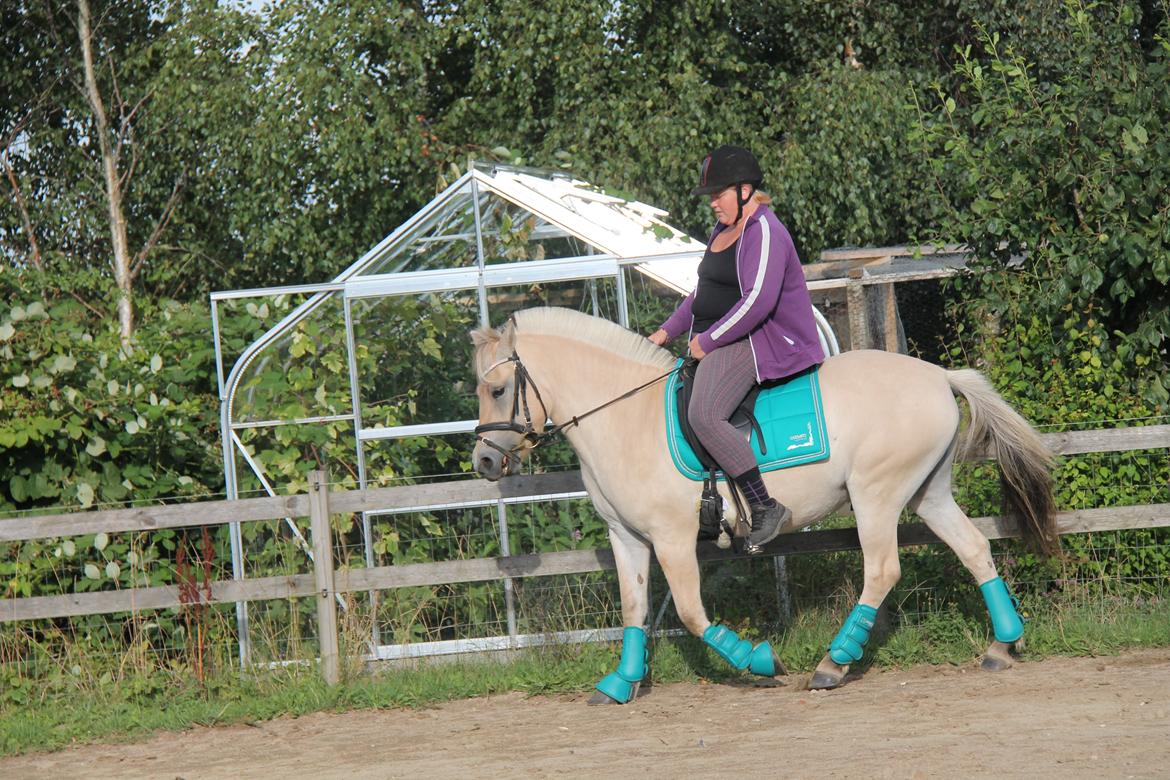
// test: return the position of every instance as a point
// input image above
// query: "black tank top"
(718, 287)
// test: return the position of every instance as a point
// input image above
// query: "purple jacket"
(775, 312)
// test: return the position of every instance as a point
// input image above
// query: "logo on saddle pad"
(790, 417)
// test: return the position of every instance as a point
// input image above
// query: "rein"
(534, 438)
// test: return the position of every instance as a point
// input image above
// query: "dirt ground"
(1062, 718)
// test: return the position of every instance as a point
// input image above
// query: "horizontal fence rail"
(530, 565)
(450, 495)
(325, 582)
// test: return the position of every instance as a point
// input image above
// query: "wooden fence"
(326, 581)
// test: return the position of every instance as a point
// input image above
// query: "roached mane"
(574, 325)
(596, 331)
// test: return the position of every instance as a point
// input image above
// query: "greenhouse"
(369, 374)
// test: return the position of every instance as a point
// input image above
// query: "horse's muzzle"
(493, 464)
(488, 466)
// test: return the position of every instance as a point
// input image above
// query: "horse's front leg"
(631, 554)
(681, 567)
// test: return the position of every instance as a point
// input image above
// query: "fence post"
(858, 314)
(890, 317)
(323, 572)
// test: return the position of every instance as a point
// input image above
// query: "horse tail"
(1025, 463)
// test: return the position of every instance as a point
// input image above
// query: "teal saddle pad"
(790, 415)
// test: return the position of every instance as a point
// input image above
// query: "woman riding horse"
(751, 320)
(892, 422)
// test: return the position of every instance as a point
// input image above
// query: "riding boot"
(767, 520)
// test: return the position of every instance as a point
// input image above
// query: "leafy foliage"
(276, 147)
(86, 423)
(1061, 171)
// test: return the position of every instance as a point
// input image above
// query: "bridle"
(528, 433)
(531, 438)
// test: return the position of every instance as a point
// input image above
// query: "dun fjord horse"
(893, 428)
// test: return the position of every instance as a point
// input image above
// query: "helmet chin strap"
(741, 201)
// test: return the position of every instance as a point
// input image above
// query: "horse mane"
(595, 331)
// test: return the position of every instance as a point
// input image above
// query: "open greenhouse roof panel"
(497, 215)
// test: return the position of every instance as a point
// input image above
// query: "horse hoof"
(781, 669)
(773, 680)
(999, 657)
(600, 697)
(821, 681)
(992, 664)
(828, 675)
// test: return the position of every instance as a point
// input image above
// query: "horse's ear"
(508, 336)
(481, 336)
(504, 336)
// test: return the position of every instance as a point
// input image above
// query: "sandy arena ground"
(1061, 718)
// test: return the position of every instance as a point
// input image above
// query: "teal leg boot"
(1006, 624)
(621, 687)
(759, 660)
(849, 644)
(846, 648)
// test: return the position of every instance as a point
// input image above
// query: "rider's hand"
(696, 351)
(659, 337)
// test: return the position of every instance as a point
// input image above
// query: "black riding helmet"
(729, 166)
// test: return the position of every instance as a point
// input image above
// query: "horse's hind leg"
(877, 528)
(936, 506)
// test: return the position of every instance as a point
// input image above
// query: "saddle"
(782, 420)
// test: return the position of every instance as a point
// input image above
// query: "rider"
(750, 320)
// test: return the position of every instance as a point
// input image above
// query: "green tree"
(311, 148)
(74, 157)
(1069, 177)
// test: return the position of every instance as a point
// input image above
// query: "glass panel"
(414, 357)
(286, 454)
(512, 233)
(302, 373)
(650, 302)
(243, 321)
(592, 296)
(422, 458)
(444, 237)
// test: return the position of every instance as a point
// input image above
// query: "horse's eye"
(499, 391)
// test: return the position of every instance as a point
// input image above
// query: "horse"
(894, 428)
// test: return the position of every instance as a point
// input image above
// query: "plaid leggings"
(722, 380)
